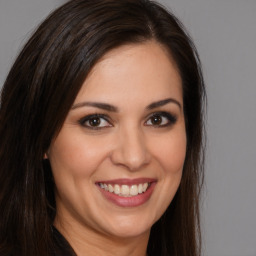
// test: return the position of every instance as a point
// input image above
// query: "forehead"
(133, 71)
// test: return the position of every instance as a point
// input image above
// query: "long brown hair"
(38, 94)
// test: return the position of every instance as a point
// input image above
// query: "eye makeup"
(161, 119)
(95, 121)
(99, 121)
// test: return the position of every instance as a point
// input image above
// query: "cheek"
(74, 159)
(75, 153)
(171, 152)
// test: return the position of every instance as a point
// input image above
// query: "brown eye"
(161, 119)
(94, 121)
(156, 120)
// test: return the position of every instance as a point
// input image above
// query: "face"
(117, 161)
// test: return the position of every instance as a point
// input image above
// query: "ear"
(45, 156)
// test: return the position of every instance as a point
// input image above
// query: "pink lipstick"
(127, 192)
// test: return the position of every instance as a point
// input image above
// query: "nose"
(131, 150)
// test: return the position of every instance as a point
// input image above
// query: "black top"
(61, 245)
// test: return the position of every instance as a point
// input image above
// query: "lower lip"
(132, 201)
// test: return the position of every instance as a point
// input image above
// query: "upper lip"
(128, 181)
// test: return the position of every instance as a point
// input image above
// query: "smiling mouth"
(125, 190)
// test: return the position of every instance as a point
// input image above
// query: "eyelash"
(170, 120)
(89, 118)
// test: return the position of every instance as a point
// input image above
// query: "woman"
(101, 135)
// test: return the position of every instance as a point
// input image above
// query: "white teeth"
(134, 190)
(117, 189)
(140, 188)
(145, 186)
(110, 188)
(125, 190)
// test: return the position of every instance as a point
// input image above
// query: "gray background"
(225, 34)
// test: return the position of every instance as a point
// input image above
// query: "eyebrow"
(112, 108)
(162, 103)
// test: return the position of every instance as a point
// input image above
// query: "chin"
(130, 228)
